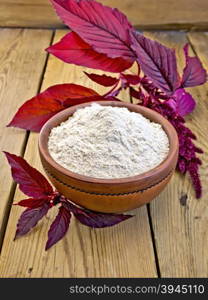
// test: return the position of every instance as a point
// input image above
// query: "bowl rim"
(166, 125)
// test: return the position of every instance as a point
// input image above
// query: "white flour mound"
(108, 142)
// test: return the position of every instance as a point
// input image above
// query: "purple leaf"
(72, 49)
(29, 218)
(31, 181)
(113, 94)
(104, 28)
(99, 220)
(95, 219)
(59, 227)
(102, 79)
(157, 62)
(193, 73)
(182, 102)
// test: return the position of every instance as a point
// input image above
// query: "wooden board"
(152, 14)
(21, 66)
(121, 251)
(199, 41)
(181, 231)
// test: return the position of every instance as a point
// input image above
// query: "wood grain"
(180, 228)
(152, 14)
(20, 71)
(121, 251)
(199, 41)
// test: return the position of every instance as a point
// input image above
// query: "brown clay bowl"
(109, 195)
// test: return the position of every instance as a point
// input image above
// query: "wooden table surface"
(164, 239)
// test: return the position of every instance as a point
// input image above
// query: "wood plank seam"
(152, 14)
(157, 27)
(11, 197)
(22, 152)
(191, 45)
(148, 28)
(157, 263)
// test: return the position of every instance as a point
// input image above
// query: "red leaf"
(95, 219)
(103, 79)
(72, 49)
(193, 73)
(138, 94)
(157, 62)
(31, 202)
(31, 181)
(130, 79)
(104, 28)
(29, 218)
(59, 227)
(35, 112)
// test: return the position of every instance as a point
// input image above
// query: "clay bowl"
(109, 195)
